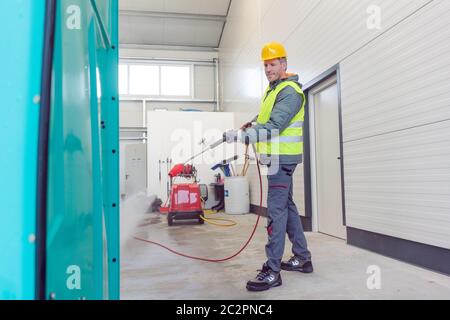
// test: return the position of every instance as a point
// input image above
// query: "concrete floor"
(150, 272)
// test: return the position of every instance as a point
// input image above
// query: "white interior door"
(135, 168)
(325, 149)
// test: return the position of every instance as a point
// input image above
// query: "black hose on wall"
(42, 165)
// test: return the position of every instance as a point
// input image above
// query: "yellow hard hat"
(273, 50)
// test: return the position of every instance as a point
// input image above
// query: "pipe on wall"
(217, 109)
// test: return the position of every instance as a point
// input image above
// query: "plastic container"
(237, 195)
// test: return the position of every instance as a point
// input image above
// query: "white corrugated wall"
(395, 100)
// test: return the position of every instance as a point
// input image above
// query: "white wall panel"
(399, 184)
(396, 118)
(336, 29)
(401, 79)
(141, 30)
(205, 82)
(148, 30)
(131, 113)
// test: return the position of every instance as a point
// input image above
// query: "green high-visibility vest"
(290, 140)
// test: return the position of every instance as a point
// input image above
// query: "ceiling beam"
(167, 15)
(225, 23)
(167, 47)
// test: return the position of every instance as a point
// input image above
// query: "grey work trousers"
(282, 218)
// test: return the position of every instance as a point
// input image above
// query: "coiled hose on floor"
(213, 221)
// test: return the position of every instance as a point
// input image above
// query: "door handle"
(339, 158)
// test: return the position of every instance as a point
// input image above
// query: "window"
(155, 80)
(175, 81)
(144, 80)
(123, 79)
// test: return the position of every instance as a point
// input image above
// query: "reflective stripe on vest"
(290, 140)
(297, 124)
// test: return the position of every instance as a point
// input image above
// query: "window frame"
(159, 64)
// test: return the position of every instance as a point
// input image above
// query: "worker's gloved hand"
(231, 136)
(247, 125)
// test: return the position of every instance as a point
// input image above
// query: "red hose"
(224, 259)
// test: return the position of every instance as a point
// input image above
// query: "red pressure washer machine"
(186, 198)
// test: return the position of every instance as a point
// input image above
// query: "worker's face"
(275, 69)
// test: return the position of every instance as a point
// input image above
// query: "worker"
(278, 135)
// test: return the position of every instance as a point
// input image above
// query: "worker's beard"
(273, 77)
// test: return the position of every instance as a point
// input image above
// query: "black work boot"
(266, 279)
(296, 264)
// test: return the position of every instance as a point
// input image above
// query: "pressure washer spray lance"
(211, 147)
